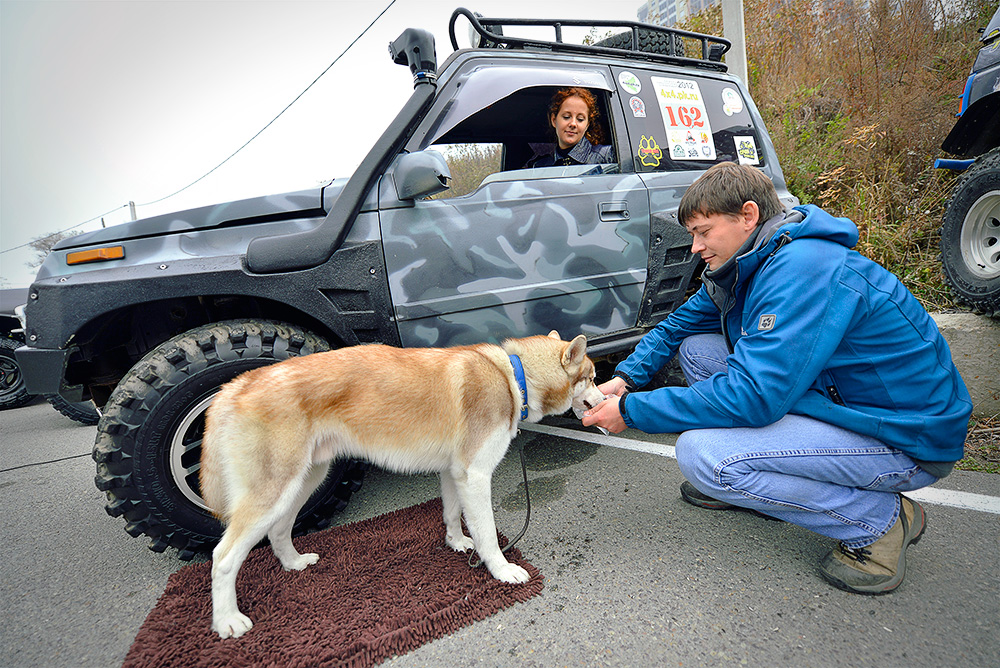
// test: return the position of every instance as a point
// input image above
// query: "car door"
(524, 251)
(680, 122)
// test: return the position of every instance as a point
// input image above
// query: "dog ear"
(575, 352)
(554, 335)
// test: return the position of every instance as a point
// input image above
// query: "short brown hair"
(724, 188)
(595, 133)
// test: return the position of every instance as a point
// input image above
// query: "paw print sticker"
(649, 153)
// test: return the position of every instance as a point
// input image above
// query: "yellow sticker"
(746, 150)
(649, 153)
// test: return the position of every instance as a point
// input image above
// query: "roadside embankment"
(975, 347)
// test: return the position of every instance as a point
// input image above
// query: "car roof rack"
(491, 35)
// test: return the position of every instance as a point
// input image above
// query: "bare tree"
(42, 246)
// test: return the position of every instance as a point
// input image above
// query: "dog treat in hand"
(579, 415)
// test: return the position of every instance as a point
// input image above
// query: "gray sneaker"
(691, 494)
(877, 568)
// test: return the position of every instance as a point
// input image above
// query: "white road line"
(932, 495)
(949, 497)
(600, 439)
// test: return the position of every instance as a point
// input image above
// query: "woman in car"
(574, 116)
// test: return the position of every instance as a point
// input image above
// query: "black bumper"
(43, 370)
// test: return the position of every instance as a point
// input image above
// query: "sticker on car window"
(649, 152)
(732, 103)
(689, 132)
(746, 149)
(630, 82)
(638, 106)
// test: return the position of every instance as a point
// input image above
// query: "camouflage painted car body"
(519, 256)
(593, 249)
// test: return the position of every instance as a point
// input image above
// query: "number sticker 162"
(688, 117)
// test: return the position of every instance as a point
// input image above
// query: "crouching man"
(819, 388)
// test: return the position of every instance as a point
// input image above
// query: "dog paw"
(511, 573)
(232, 626)
(301, 562)
(461, 544)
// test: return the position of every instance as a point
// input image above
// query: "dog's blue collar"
(515, 362)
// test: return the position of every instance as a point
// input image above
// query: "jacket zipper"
(783, 239)
(730, 301)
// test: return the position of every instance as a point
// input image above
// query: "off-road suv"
(149, 318)
(970, 232)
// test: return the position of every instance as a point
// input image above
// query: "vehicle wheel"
(970, 235)
(12, 390)
(649, 41)
(84, 412)
(148, 448)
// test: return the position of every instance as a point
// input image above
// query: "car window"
(681, 122)
(497, 142)
(483, 86)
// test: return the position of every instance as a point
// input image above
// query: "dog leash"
(474, 560)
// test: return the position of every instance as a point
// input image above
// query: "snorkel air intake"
(304, 250)
(415, 48)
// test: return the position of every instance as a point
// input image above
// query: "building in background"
(671, 12)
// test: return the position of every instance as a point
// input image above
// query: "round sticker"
(638, 106)
(630, 82)
(732, 103)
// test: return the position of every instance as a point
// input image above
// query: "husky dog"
(272, 432)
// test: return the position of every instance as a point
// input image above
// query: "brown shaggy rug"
(382, 587)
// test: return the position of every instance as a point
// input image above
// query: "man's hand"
(614, 387)
(606, 413)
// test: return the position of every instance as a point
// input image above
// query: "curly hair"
(595, 132)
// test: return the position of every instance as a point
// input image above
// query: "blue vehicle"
(970, 233)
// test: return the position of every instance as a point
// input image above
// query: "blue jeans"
(818, 476)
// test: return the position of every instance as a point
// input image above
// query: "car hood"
(287, 206)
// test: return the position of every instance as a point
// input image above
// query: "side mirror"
(420, 174)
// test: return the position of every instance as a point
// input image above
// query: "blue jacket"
(815, 329)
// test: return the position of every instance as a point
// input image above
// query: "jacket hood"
(814, 222)
(801, 222)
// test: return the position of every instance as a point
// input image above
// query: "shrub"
(858, 98)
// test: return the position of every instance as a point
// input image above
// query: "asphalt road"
(633, 575)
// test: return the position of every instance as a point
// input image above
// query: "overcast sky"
(103, 102)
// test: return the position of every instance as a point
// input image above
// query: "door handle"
(611, 212)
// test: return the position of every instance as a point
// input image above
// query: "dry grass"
(982, 446)
(857, 103)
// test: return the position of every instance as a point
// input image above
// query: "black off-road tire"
(649, 42)
(13, 393)
(84, 412)
(970, 236)
(148, 446)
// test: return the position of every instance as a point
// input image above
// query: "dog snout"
(592, 404)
